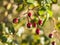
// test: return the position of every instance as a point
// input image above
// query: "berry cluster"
(34, 24)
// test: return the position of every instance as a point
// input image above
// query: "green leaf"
(42, 11)
(35, 19)
(48, 5)
(50, 13)
(47, 42)
(48, 1)
(38, 41)
(10, 27)
(4, 39)
(39, 1)
(54, 1)
(30, 1)
(44, 21)
(20, 8)
(46, 38)
(43, 8)
(58, 25)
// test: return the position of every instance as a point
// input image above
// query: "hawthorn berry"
(53, 43)
(29, 14)
(40, 22)
(37, 31)
(29, 25)
(34, 24)
(50, 35)
(15, 20)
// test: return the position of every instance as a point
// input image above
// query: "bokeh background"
(8, 12)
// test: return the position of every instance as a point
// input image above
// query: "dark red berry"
(50, 35)
(37, 31)
(29, 25)
(53, 43)
(40, 22)
(34, 24)
(15, 20)
(29, 14)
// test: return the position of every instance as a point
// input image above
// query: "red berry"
(29, 14)
(40, 22)
(37, 31)
(34, 24)
(50, 35)
(15, 20)
(53, 43)
(29, 25)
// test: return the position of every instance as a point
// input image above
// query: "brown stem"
(30, 9)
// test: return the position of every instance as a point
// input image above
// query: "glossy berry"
(40, 22)
(34, 24)
(53, 43)
(50, 35)
(29, 25)
(29, 14)
(37, 31)
(15, 20)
